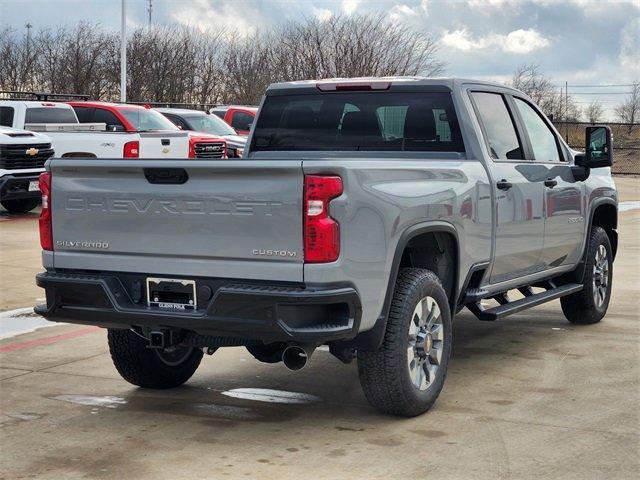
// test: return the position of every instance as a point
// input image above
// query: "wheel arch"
(420, 235)
(605, 214)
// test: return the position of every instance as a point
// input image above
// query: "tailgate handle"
(166, 176)
(165, 141)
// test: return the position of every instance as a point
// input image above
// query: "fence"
(626, 143)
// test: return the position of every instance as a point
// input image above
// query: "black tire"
(20, 206)
(148, 367)
(270, 353)
(385, 373)
(582, 307)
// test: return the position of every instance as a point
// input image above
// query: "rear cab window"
(50, 115)
(358, 121)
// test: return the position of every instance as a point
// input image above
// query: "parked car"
(135, 132)
(200, 121)
(240, 117)
(22, 158)
(364, 215)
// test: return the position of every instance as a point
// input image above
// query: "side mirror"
(598, 152)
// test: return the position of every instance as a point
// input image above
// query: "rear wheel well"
(606, 216)
(438, 252)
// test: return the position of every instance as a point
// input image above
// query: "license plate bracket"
(171, 294)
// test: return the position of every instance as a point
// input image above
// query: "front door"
(565, 221)
(518, 193)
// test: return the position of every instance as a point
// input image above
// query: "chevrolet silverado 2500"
(365, 214)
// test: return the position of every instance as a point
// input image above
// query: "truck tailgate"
(231, 219)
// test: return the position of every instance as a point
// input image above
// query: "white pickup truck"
(70, 138)
(22, 158)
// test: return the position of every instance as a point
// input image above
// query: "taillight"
(131, 149)
(321, 232)
(46, 232)
(192, 147)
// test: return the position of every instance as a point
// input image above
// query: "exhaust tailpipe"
(295, 357)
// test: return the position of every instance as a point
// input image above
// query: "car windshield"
(209, 124)
(145, 120)
(348, 121)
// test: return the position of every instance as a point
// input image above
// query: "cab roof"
(382, 83)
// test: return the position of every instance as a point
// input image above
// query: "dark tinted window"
(543, 140)
(498, 126)
(84, 114)
(6, 116)
(219, 113)
(50, 115)
(105, 116)
(241, 121)
(371, 121)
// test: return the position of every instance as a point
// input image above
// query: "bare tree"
(629, 110)
(551, 100)
(177, 64)
(594, 112)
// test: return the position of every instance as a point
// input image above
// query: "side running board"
(531, 299)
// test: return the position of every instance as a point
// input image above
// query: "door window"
(241, 121)
(105, 116)
(84, 114)
(499, 130)
(543, 141)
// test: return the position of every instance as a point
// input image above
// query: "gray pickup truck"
(364, 214)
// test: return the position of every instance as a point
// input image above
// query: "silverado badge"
(32, 151)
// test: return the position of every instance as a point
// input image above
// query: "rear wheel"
(406, 374)
(151, 367)
(20, 206)
(590, 304)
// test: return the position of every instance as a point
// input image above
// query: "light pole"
(123, 54)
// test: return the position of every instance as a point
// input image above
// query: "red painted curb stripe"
(12, 347)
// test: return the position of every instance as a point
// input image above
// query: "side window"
(105, 116)
(241, 121)
(499, 129)
(84, 114)
(6, 116)
(177, 121)
(543, 141)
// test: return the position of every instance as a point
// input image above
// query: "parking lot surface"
(530, 396)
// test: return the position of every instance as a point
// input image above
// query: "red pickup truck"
(240, 117)
(120, 117)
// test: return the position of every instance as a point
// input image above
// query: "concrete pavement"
(530, 396)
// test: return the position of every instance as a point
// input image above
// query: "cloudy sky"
(583, 42)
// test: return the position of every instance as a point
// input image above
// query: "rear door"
(186, 218)
(564, 205)
(518, 191)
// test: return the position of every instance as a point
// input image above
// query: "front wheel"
(406, 374)
(590, 304)
(151, 367)
(20, 206)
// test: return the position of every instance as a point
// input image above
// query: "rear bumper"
(251, 312)
(14, 187)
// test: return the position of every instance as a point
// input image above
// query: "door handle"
(504, 185)
(550, 183)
